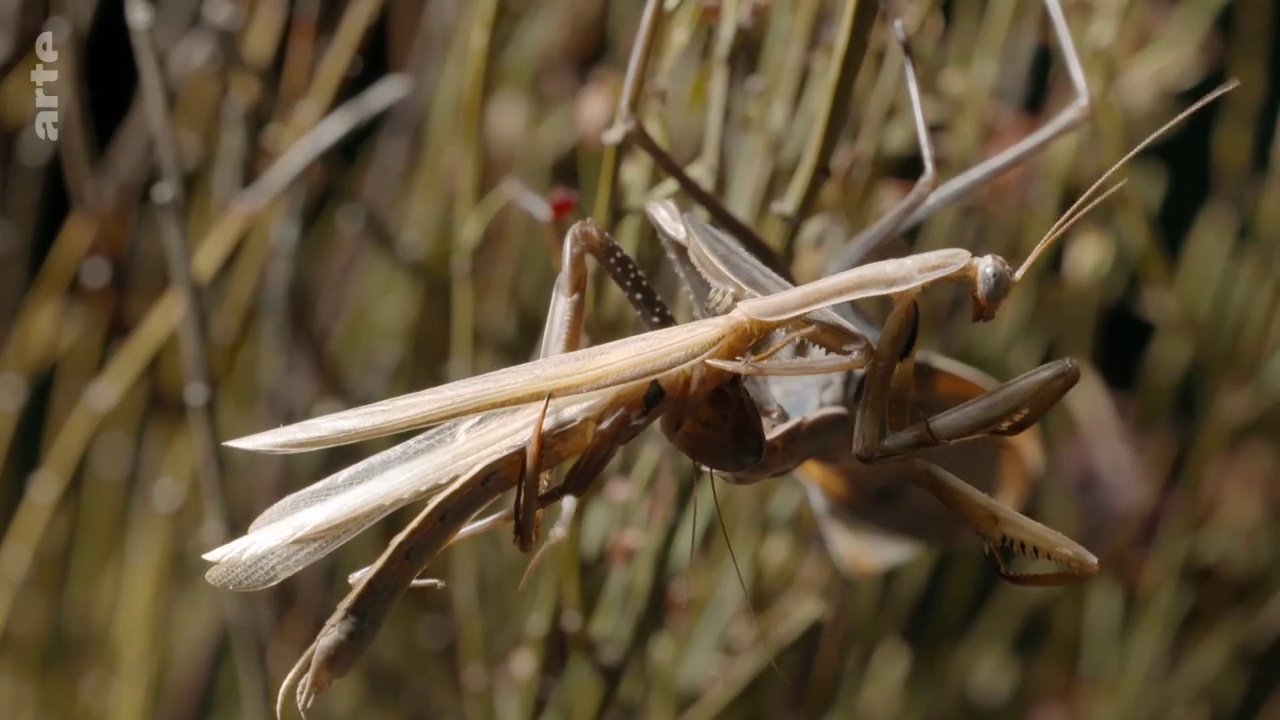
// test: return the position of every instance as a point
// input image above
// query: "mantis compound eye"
(992, 282)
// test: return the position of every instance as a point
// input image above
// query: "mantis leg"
(629, 127)
(526, 505)
(1001, 528)
(854, 252)
(357, 619)
(719, 427)
(563, 332)
(885, 402)
(897, 341)
(891, 223)
(1008, 409)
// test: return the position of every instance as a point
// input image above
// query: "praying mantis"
(506, 428)
(818, 434)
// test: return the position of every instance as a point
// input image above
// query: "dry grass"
(335, 276)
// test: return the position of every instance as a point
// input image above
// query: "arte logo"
(46, 103)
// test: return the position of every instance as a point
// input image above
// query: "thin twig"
(170, 207)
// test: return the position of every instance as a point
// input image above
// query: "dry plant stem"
(706, 167)
(331, 71)
(245, 275)
(198, 397)
(471, 647)
(22, 357)
(715, 120)
(386, 171)
(771, 125)
(148, 537)
(627, 126)
(49, 482)
(856, 21)
(27, 351)
(469, 222)
(170, 203)
(232, 150)
(632, 88)
(789, 618)
(10, 15)
(651, 611)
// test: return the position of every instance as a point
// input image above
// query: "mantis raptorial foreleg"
(1002, 528)
(1006, 410)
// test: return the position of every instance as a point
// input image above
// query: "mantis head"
(992, 283)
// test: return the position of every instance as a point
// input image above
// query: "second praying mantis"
(814, 416)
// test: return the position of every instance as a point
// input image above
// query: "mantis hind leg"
(854, 252)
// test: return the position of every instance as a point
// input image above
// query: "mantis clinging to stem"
(595, 398)
(505, 428)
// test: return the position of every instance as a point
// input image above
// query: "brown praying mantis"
(585, 404)
(506, 427)
(311, 511)
(941, 379)
(814, 420)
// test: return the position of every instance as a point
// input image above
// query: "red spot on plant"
(563, 202)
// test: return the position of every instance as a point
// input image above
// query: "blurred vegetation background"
(387, 257)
